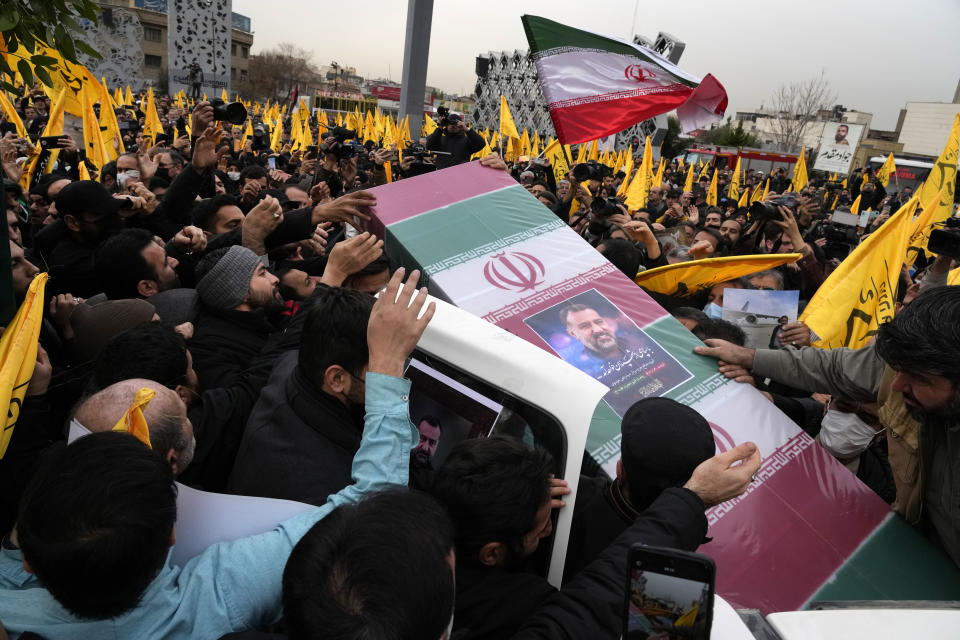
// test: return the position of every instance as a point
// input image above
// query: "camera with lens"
(592, 170)
(606, 207)
(841, 234)
(768, 210)
(946, 241)
(447, 118)
(335, 142)
(232, 112)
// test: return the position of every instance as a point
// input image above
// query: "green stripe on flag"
(464, 230)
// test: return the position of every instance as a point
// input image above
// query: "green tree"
(727, 135)
(673, 144)
(51, 22)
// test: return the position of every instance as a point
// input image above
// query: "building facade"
(152, 16)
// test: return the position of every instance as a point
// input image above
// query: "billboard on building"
(837, 147)
(198, 46)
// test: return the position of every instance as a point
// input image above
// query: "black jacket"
(225, 344)
(460, 147)
(299, 442)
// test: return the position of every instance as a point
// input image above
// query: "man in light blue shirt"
(93, 534)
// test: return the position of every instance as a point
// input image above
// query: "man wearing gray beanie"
(239, 300)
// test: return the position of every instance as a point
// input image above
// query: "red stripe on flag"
(590, 121)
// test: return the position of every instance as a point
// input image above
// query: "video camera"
(606, 207)
(592, 170)
(447, 118)
(762, 211)
(233, 112)
(841, 234)
(420, 165)
(946, 241)
(339, 145)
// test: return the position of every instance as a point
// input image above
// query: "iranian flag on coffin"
(488, 246)
(595, 85)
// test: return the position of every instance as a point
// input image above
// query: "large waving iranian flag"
(595, 85)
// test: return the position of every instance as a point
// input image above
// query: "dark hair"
(377, 569)
(720, 329)
(925, 336)
(492, 488)
(156, 182)
(335, 332)
(153, 350)
(120, 265)
(176, 159)
(430, 419)
(690, 313)
(571, 308)
(254, 172)
(109, 169)
(381, 264)
(205, 212)
(95, 523)
(623, 254)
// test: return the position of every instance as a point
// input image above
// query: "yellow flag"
(10, 115)
(247, 133)
(686, 278)
(296, 134)
(592, 153)
(276, 137)
(110, 128)
(658, 179)
(758, 193)
(507, 126)
(799, 172)
(703, 169)
(307, 135)
(581, 154)
(535, 144)
(887, 169)
(859, 296)
(627, 170)
(54, 127)
(224, 96)
(92, 140)
(118, 96)
(65, 75)
(151, 121)
(943, 174)
(920, 231)
(554, 152)
(18, 355)
(734, 191)
(712, 192)
(84, 173)
(745, 198)
(429, 125)
(855, 207)
(953, 278)
(688, 183)
(133, 421)
(639, 187)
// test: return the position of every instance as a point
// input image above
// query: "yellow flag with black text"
(18, 355)
(860, 294)
(687, 278)
(884, 173)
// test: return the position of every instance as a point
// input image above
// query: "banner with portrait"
(837, 147)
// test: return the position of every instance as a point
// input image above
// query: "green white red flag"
(595, 85)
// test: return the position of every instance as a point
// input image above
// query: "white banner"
(837, 146)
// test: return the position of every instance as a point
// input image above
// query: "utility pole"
(416, 51)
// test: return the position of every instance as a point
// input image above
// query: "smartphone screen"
(272, 163)
(669, 595)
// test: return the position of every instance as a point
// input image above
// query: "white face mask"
(233, 175)
(713, 310)
(844, 434)
(124, 177)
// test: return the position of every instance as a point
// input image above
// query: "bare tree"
(795, 106)
(273, 74)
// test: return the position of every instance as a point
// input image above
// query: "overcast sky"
(877, 56)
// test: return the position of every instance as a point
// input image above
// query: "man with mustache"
(912, 373)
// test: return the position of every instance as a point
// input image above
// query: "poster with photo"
(837, 146)
(594, 335)
(445, 412)
(761, 314)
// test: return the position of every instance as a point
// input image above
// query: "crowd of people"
(232, 284)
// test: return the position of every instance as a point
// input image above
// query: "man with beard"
(132, 264)
(430, 430)
(307, 424)
(239, 304)
(912, 373)
(595, 334)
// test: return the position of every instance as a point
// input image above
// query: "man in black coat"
(306, 427)
(453, 138)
